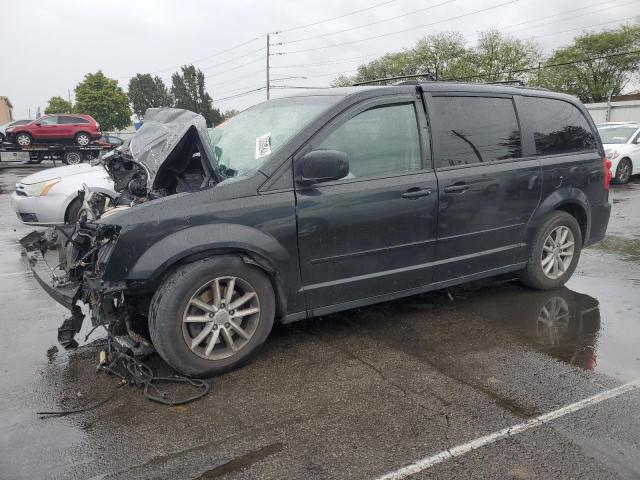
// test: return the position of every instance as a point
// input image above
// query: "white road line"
(428, 462)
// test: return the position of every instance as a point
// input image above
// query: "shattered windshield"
(244, 142)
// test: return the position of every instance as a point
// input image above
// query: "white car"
(50, 197)
(622, 146)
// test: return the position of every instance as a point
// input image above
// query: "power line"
(405, 29)
(554, 33)
(344, 60)
(239, 94)
(549, 65)
(335, 18)
(201, 59)
(503, 72)
(291, 87)
(217, 74)
(367, 24)
(574, 16)
(559, 13)
(244, 87)
(234, 59)
(582, 28)
(230, 80)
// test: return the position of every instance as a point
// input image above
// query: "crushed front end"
(169, 155)
(80, 254)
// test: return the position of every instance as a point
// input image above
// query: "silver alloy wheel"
(23, 140)
(624, 172)
(557, 252)
(553, 321)
(83, 139)
(221, 317)
(73, 158)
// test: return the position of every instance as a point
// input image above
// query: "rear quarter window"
(558, 127)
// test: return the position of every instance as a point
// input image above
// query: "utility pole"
(69, 95)
(268, 66)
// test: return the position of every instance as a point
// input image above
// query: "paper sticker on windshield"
(263, 145)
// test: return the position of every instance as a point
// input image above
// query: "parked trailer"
(36, 153)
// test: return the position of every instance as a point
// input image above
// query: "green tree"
(230, 113)
(445, 56)
(104, 100)
(500, 58)
(602, 64)
(146, 91)
(189, 92)
(58, 105)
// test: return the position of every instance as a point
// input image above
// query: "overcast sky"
(48, 46)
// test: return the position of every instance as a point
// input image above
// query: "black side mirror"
(322, 166)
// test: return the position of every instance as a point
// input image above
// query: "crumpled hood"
(161, 132)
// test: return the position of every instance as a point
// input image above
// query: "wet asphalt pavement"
(351, 395)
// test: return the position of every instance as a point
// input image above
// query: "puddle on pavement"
(628, 249)
(242, 462)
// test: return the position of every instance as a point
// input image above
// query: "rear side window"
(69, 120)
(380, 141)
(472, 130)
(558, 126)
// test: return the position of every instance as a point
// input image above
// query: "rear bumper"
(599, 221)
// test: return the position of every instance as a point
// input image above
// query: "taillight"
(606, 165)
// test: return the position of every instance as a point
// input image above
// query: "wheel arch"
(71, 198)
(20, 132)
(569, 200)
(252, 246)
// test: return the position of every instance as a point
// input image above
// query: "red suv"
(79, 128)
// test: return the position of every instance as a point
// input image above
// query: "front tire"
(73, 211)
(23, 139)
(623, 172)
(211, 316)
(554, 253)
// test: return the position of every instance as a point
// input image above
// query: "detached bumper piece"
(66, 294)
(36, 245)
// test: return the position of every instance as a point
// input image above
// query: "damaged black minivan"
(321, 202)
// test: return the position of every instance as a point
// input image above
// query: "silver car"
(50, 197)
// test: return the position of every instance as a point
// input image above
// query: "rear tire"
(71, 158)
(204, 345)
(554, 253)
(82, 139)
(623, 172)
(23, 139)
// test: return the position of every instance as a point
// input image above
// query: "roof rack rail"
(507, 82)
(428, 76)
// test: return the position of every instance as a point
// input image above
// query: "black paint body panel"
(350, 243)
